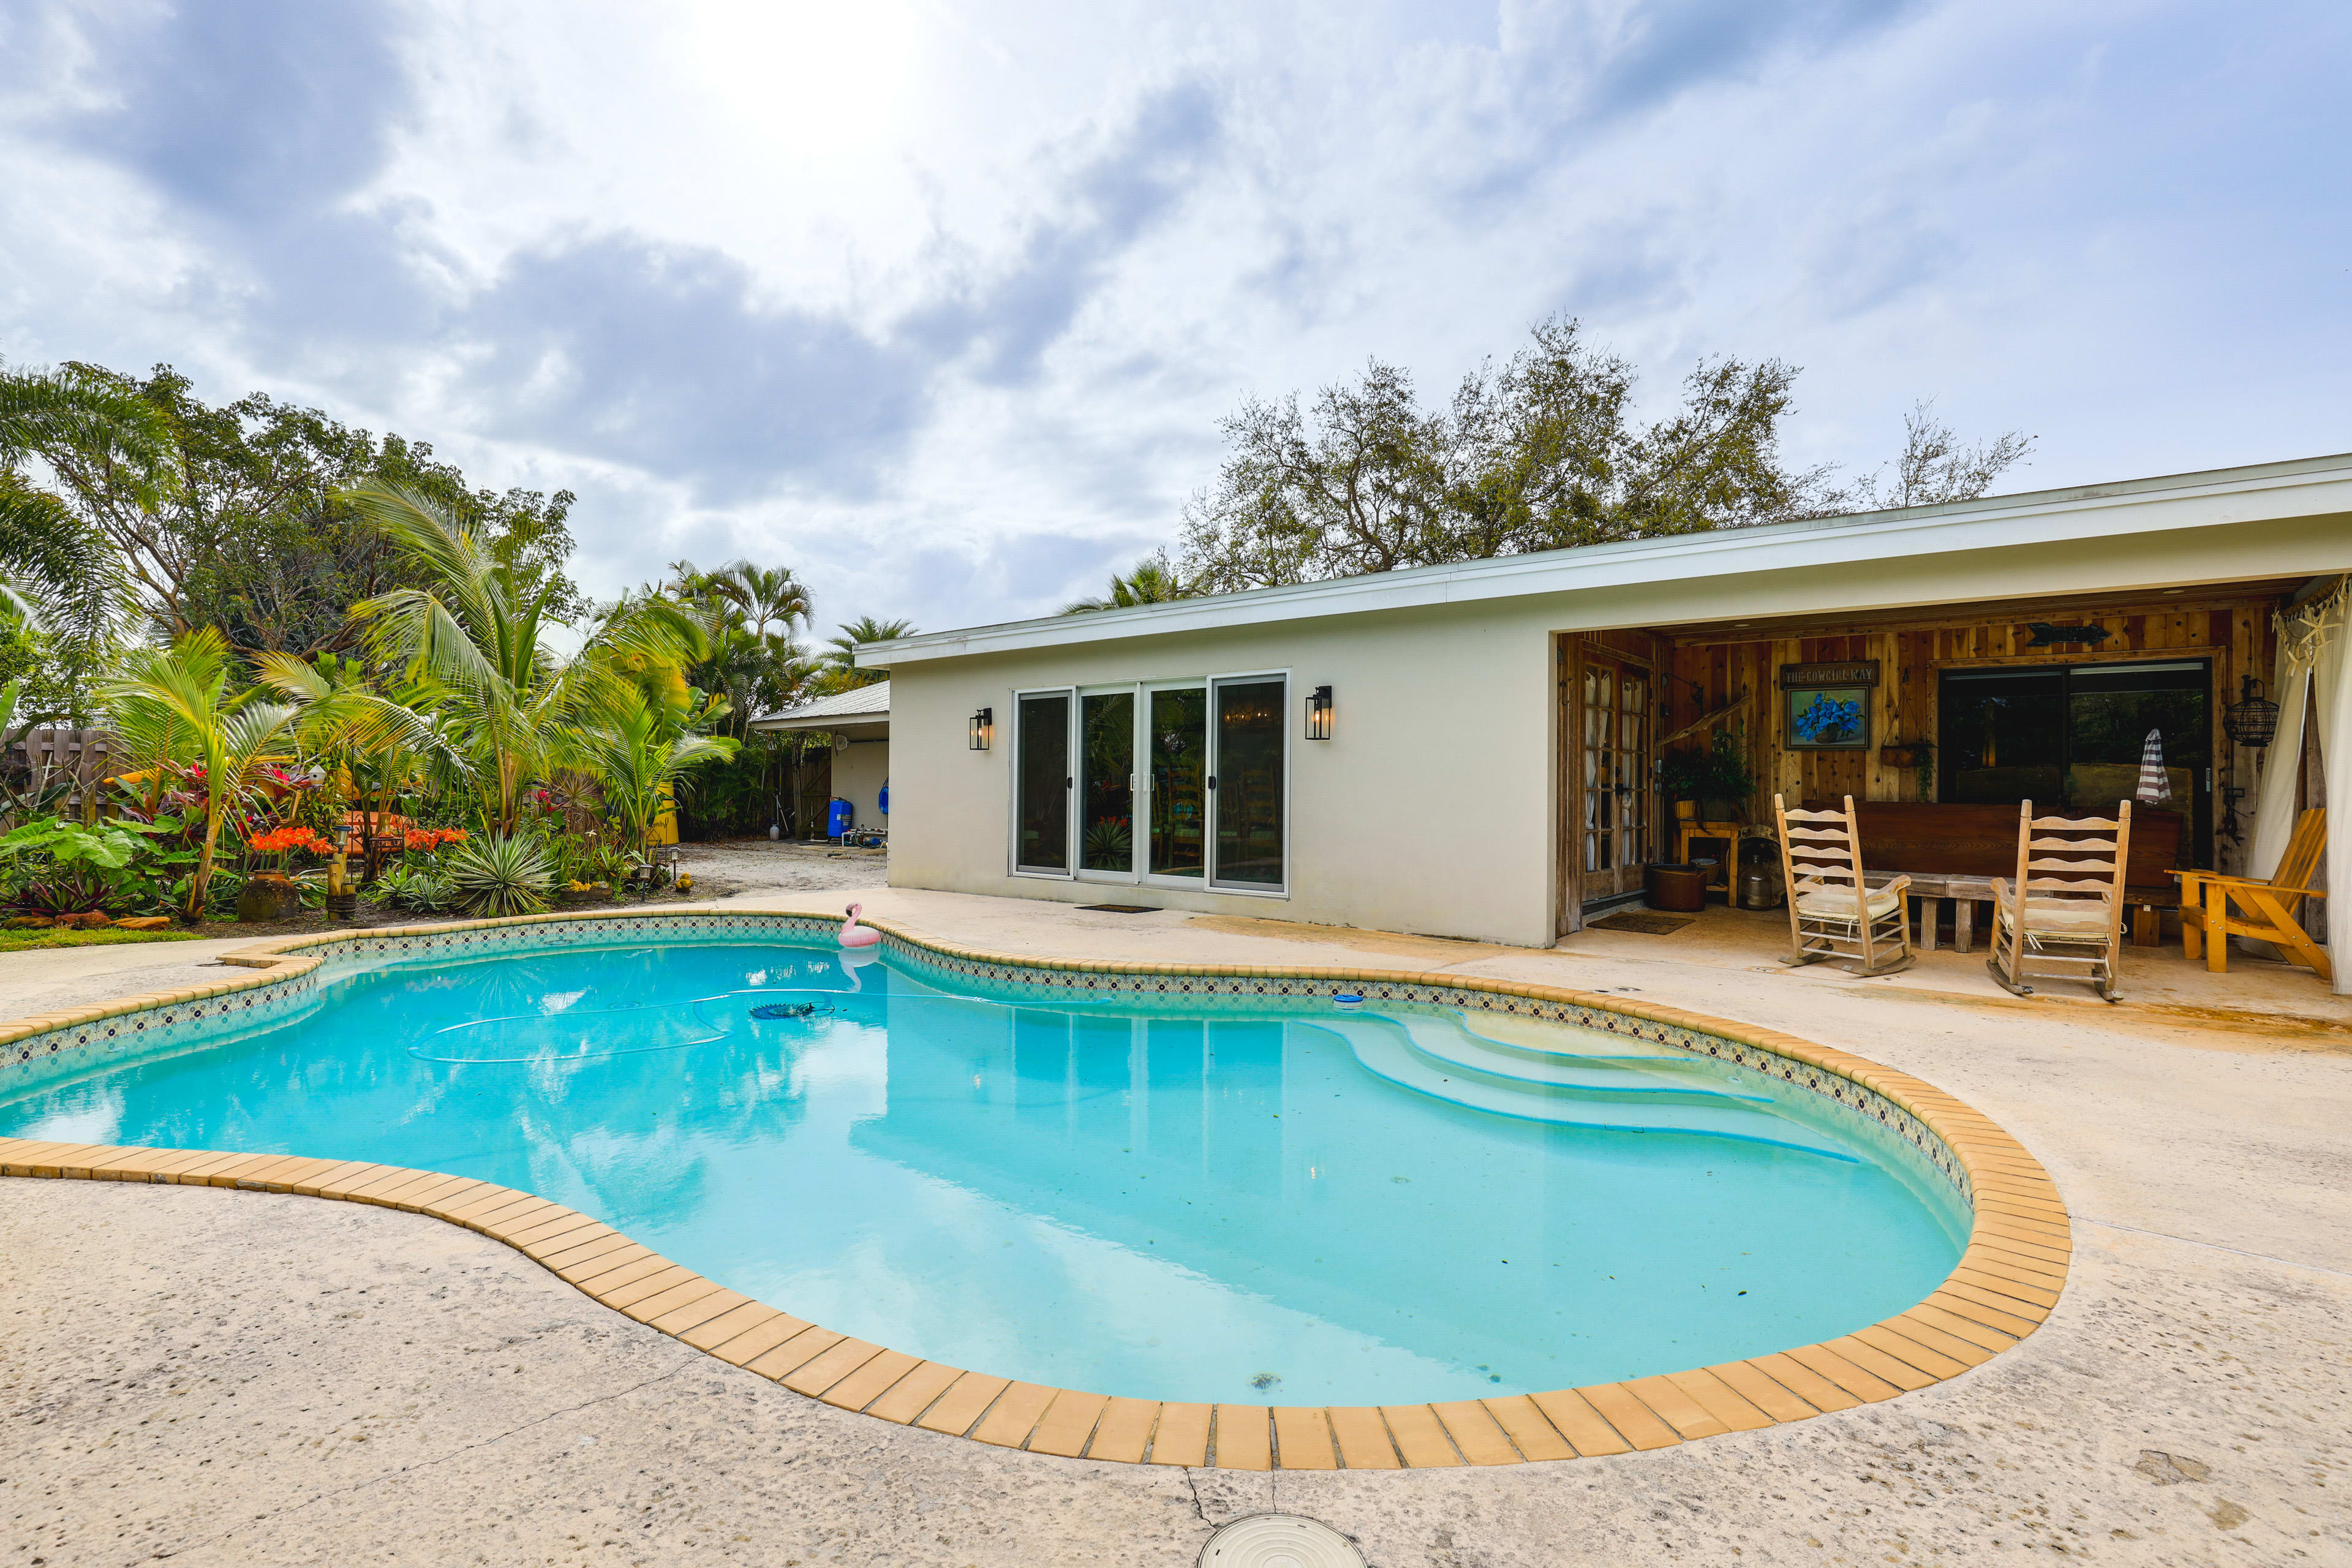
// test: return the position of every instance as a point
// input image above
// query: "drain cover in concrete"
(1279, 1541)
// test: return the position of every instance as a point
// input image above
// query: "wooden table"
(1729, 832)
(1931, 887)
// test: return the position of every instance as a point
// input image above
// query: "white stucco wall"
(1433, 809)
(859, 774)
(1413, 815)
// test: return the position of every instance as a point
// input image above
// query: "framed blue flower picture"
(1828, 718)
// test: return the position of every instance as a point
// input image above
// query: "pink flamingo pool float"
(856, 935)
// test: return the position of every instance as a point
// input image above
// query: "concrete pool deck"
(2204, 1323)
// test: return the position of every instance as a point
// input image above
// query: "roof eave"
(2304, 487)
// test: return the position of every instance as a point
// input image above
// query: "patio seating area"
(2255, 993)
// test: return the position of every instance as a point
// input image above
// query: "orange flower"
(279, 840)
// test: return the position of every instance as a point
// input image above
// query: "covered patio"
(2207, 707)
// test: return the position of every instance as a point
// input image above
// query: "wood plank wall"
(1710, 669)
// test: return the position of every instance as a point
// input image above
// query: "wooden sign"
(2047, 635)
(1862, 672)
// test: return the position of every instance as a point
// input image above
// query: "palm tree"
(184, 690)
(1151, 581)
(641, 755)
(841, 652)
(765, 595)
(382, 741)
(476, 633)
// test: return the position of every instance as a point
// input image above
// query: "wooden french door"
(1610, 808)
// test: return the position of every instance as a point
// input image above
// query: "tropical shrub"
(58, 866)
(234, 741)
(501, 874)
(424, 888)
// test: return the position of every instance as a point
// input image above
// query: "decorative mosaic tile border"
(2008, 1280)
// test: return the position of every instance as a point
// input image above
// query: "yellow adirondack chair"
(2215, 908)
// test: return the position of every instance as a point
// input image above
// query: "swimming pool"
(1171, 1196)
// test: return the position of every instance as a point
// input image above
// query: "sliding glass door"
(1106, 785)
(1249, 783)
(1041, 750)
(1178, 739)
(1177, 784)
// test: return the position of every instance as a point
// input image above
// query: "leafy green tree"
(1934, 466)
(52, 555)
(61, 582)
(1543, 453)
(254, 540)
(1151, 581)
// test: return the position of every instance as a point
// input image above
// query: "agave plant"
(424, 888)
(501, 873)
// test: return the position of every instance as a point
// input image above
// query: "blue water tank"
(837, 817)
(885, 801)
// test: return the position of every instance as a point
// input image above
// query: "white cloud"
(940, 304)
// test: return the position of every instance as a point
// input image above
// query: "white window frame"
(1135, 781)
(1216, 765)
(1139, 786)
(1143, 873)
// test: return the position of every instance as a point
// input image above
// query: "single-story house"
(859, 721)
(1475, 750)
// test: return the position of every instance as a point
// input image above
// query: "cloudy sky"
(940, 303)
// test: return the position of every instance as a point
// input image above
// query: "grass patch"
(24, 941)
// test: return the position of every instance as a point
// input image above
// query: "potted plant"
(1678, 777)
(269, 894)
(1712, 780)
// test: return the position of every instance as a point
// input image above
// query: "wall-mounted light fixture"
(1319, 714)
(983, 729)
(2251, 721)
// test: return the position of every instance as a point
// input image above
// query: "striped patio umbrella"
(2154, 786)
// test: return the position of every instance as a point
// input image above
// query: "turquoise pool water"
(1305, 1204)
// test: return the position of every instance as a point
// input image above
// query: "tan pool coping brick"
(2008, 1277)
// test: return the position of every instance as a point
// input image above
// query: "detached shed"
(859, 721)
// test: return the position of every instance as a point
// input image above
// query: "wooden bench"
(1967, 845)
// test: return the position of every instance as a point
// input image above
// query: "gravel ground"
(749, 867)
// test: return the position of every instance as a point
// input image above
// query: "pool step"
(1649, 1076)
(1384, 1049)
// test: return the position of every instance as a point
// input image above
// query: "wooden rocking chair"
(2214, 907)
(2064, 917)
(1832, 912)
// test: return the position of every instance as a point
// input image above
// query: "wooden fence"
(48, 755)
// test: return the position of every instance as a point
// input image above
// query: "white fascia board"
(843, 721)
(2315, 486)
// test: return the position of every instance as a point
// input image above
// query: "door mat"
(1646, 924)
(1123, 909)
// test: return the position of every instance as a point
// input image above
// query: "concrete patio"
(240, 1378)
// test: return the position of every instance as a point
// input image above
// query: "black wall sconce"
(1319, 714)
(983, 729)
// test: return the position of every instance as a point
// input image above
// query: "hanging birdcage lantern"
(2251, 721)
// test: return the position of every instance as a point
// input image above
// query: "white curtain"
(2314, 650)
